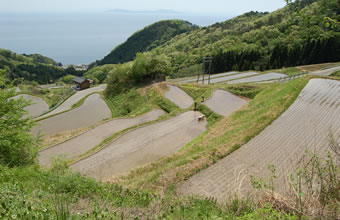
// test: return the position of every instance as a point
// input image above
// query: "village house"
(81, 83)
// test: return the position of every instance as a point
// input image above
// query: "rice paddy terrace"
(306, 124)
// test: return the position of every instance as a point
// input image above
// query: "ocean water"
(80, 38)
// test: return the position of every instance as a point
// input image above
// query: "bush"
(17, 146)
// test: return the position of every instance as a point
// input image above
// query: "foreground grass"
(61, 194)
(221, 139)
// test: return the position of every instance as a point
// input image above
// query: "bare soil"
(305, 125)
(224, 103)
(86, 141)
(142, 146)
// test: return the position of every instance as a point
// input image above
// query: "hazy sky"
(198, 6)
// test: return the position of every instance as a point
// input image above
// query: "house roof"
(79, 80)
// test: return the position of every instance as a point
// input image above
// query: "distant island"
(160, 11)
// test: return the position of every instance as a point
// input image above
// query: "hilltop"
(147, 39)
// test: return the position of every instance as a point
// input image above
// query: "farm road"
(74, 99)
(92, 111)
(179, 97)
(142, 146)
(37, 107)
(326, 72)
(224, 103)
(306, 124)
(86, 141)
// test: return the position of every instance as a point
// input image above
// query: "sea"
(80, 38)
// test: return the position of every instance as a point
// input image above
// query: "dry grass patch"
(62, 137)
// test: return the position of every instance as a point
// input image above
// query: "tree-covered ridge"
(34, 67)
(299, 23)
(146, 39)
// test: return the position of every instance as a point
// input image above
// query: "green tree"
(17, 145)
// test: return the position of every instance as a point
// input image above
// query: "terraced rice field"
(74, 99)
(92, 111)
(263, 77)
(37, 107)
(142, 146)
(326, 72)
(227, 78)
(179, 97)
(305, 125)
(211, 77)
(86, 141)
(224, 103)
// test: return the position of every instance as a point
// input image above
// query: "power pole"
(206, 69)
(207, 64)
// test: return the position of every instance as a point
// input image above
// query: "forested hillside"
(303, 32)
(33, 67)
(146, 39)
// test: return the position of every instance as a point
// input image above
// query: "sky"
(234, 7)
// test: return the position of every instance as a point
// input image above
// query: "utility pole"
(206, 69)
(207, 63)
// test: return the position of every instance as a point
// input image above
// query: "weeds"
(314, 187)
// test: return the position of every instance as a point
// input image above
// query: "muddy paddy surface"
(91, 112)
(142, 146)
(305, 125)
(75, 98)
(37, 107)
(86, 141)
(179, 97)
(224, 103)
(263, 77)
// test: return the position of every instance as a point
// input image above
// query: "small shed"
(81, 83)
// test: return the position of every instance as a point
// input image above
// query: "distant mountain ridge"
(160, 11)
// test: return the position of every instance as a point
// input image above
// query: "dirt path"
(86, 141)
(263, 77)
(224, 103)
(306, 124)
(37, 107)
(74, 99)
(326, 72)
(178, 96)
(142, 146)
(92, 111)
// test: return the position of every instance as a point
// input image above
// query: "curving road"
(142, 146)
(86, 141)
(305, 125)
